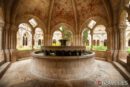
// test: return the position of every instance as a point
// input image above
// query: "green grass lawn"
(128, 50)
(24, 48)
(100, 48)
(97, 48)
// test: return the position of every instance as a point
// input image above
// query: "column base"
(7, 55)
(109, 56)
(122, 55)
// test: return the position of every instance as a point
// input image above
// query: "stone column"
(110, 48)
(6, 43)
(1, 49)
(76, 39)
(91, 33)
(116, 42)
(1, 30)
(122, 36)
(48, 38)
(13, 42)
(122, 52)
(80, 40)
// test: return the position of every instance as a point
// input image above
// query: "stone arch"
(98, 19)
(88, 42)
(24, 36)
(70, 29)
(100, 32)
(38, 38)
(127, 39)
(26, 18)
(62, 24)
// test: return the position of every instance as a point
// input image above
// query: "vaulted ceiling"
(52, 12)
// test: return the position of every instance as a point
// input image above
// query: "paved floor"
(105, 75)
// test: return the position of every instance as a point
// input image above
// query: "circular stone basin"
(78, 64)
(62, 68)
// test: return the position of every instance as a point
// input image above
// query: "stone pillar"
(13, 42)
(110, 48)
(48, 39)
(2, 59)
(76, 39)
(122, 52)
(91, 33)
(116, 43)
(122, 36)
(80, 40)
(6, 42)
(1, 30)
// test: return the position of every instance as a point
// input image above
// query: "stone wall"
(16, 55)
(123, 56)
(1, 57)
(104, 55)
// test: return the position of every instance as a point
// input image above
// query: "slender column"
(110, 48)
(6, 42)
(13, 41)
(109, 38)
(76, 33)
(1, 30)
(122, 51)
(49, 39)
(13, 37)
(116, 43)
(91, 32)
(122, 36)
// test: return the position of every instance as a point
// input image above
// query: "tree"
(66, 34)
(85, 36)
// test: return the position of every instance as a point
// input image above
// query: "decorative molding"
(75, 14)
(50, 15)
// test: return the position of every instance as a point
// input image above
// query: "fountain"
(62, 62)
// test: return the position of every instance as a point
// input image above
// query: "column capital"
(109, 27)
(1, 26)
(14, 28)
(2, 23)
(122, 26)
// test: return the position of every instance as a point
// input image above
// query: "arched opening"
(57, 35)
(24, 37)
(63, 32)
(128, 40)
(100, 38)
(86, 34)
(38, 38)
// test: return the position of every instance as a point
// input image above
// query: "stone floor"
(18, 75)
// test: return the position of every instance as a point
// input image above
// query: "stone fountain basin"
(62, 67)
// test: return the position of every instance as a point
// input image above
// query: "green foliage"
(128, 50)
(24, 49)
(56, 44)
(65, 33)
(85, 36)
(99, 48)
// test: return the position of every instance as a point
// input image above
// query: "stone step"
(99, 58)
(24, 58)
(3, 68)
(122, 70)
